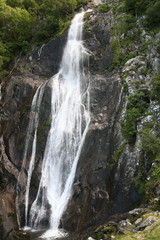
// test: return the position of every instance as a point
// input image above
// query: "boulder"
(124, 223)
(138, 222)
(147, 222)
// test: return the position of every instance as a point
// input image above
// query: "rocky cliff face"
(17, 94)
(101, 187)
(104, 183)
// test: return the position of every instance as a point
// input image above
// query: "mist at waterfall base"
(70, 119)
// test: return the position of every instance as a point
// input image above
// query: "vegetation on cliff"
(135, 45)
(144, 226)
(150, 9)
(31, 22)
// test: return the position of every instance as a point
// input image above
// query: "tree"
(27, 22)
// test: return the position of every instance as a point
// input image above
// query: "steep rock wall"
(93, 187)
(101, 187)
(17, 93)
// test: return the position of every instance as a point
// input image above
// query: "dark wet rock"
(44, 60)
(17, 101)
(97, 40)
(93, 173)
(8, 222)
(101, 190)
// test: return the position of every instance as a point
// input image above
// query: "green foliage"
(151, 233)
(139, 100)
(148, 8)
(125, 35)
(14, 22)
(99, 235)
(152, 13)
(103, 8)
(140, 182)
(129, 125)
(136, 6)
(81, 3)
(4, 58)
(31, 22)
(118, 152)
(147, 178)
(116, 49)
(136, 107)
(151, 147)
(150, 144)
(156, 86)
(153, 181)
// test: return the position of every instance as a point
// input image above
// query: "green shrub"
(99, 235)
(116, 49)
(118, 152)
(103, 8)
(136, 107)
(152, 12)
(150, 144)
(140, 181)
(31, 22)
(139, 100)
(156, 86)
(122, 47)
(129, 125)
(4, 58)
(148, 174)
(148, 8)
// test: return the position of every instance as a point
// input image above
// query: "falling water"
(33, 126)
(69, 124)
(31, 133)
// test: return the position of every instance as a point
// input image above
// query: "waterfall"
(31, 133)
(70, 120)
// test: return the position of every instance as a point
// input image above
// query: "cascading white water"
(31, 133)
(33, 125)
(69, 124)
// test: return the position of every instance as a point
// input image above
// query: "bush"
(136, 107)
(119, 151)
(153, 13)
(129, 125)
(123, 47)
(103, 8)
(27, 22)
(139, 100)
(148, 8)
(150, 144)
(147, 178)
(4, 58)
(156, 86)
